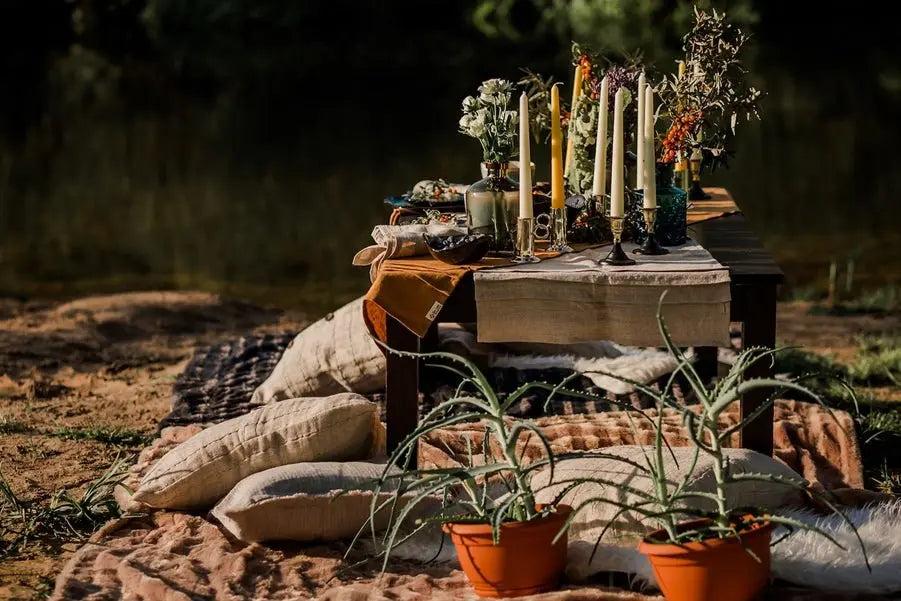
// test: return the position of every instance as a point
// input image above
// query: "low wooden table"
(754, 279)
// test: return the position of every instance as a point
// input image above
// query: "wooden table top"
(730, 240)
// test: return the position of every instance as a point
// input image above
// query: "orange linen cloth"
(414, 290)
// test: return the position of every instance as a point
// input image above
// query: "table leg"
(758, 329)
(706, 363)
(401, 383)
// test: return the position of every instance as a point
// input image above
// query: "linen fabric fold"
(398, 241)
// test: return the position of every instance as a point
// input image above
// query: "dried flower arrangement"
(704, 102)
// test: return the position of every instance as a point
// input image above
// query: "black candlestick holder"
(617, 255)
(650, 246)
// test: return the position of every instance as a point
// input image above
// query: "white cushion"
(591, 521)
(201, 470)
(301, 502)
(335, 354)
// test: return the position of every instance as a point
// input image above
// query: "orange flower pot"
(524, 561)
(713, 569)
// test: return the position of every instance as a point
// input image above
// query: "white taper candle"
(650, 159)
(599, 185)
(525, 159)
(639, 135)
(617, 189)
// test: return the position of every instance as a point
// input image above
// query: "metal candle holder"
(650, 246)
(525, 241)
(696, 192)
(558, 232)
(617, 256)
(598, 204)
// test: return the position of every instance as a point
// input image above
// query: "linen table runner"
(414, 289)
(572, 298)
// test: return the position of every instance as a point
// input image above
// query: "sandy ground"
(111, 360)
(95, 361)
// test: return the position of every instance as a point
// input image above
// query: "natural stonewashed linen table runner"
(414, 289)
(572, 298)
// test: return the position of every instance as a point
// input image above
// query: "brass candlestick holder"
(525, 241)
(617, 256)
(598, 204)
(696, 192)
(650, 246)
(558, 232)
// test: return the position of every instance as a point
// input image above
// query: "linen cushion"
(201, 470)
(591, 521)
(335, 354)
(301, 502)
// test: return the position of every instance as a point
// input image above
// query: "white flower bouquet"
(486, 118)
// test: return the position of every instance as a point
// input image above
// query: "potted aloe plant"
(703, 555)
(506, 543)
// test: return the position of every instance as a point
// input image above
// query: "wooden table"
(754, 279)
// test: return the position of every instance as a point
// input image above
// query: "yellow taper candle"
(577, 91)
(617, 190)
(525, 160)
(557, 193)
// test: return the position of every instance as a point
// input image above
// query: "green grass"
(9, 425)
(883, 300)
(65, 518)
(878, 361)
(108, 435)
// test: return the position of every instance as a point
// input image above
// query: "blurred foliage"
(621, 26)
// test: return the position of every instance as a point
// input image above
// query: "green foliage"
(704, 104)
(65, 518)
(878, 360)
(617, 25)
(108, 435)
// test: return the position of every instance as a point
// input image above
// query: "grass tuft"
(9, 425)
(66, 518)
(108, 435)
(878, 361)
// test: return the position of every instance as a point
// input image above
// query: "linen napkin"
(397, 241)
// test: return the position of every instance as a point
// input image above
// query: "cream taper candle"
(599, 185)
(525, 159)
(639, 135)
(617, 190)
(650, 159)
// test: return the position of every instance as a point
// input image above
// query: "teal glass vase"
(672, 204)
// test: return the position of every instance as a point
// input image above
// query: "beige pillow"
(201, 470)
(591, 521)
(335, 354)
(301, 502)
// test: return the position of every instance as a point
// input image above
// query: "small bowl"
(460, 249)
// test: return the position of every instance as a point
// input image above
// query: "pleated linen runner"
(572, 298)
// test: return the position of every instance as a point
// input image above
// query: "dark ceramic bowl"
(459, 249)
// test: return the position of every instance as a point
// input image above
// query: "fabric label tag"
(433, 312)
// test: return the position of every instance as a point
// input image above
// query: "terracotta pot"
(524, 561)
(713, 569)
